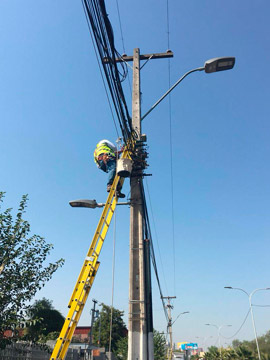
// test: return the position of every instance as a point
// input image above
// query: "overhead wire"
(238, 329)
(102, 33)
(152, 252)
(171, 145)
(102, 77)
(122, 39)
(157, 240)
(113, 275)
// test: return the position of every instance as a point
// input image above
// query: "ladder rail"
(88, 271)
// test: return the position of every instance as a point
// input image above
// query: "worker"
(105, 158)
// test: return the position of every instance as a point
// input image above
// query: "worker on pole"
(105, 156)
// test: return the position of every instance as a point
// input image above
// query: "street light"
(251, 311)
(91, 204)
(185, 312)
(210, 66)
(218, 329)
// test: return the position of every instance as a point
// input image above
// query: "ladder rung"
(101, 237)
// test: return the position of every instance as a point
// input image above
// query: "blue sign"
(190, 346)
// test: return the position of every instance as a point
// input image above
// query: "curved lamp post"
(251, 311)
(218, 329)
(210, 66)
(185, 312)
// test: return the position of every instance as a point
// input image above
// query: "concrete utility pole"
(170, 307)
(137, 337)
(140, 332)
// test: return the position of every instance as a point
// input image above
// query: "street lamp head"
(92, 204)
(219, 64)
(207, 324)
(227, 287)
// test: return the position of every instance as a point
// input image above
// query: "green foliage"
(43, 320)
(241, 352)
(22, 270)
(122, 348)
(119, 329)
(212, 353)
(159, 346)
(244, 353)
(250, 347)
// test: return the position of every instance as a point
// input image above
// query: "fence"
(20, 351)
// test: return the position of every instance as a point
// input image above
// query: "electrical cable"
(102, 77)
(238, 329)
(148, 235)
(171, 146)
(122, 38)
(157, 241)
(113, 273)
(102, 33)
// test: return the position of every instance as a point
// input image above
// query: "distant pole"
(93, 311)
(169, 326)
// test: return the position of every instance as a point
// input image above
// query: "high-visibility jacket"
(104, 147)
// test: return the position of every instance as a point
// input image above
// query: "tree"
(212, 353)
(122, 348)
(159, 346)
(119, 329)
(236, 343)
(43, 320)
(22, 270)
(244, 353)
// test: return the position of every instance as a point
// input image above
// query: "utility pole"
(93, 313)
(140, 323)
(137, 337)
(169, 326)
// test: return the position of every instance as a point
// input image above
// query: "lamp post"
(218, 329)
(205, 340)
(210, 66)
(185, 312)
(91, 204)
(251, 311)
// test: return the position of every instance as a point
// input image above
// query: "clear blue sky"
(54, 110)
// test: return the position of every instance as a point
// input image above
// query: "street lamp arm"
(253, 292)
(233, 288)
(167, 93)
(186, 312)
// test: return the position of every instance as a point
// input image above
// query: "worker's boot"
(119, 194)
(118, 191)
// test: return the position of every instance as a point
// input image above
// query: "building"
(82, 334)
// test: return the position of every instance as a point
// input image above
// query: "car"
(177, 356)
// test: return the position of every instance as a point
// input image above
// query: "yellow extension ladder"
(88, 273)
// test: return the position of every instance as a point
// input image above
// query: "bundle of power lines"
(102, 32)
